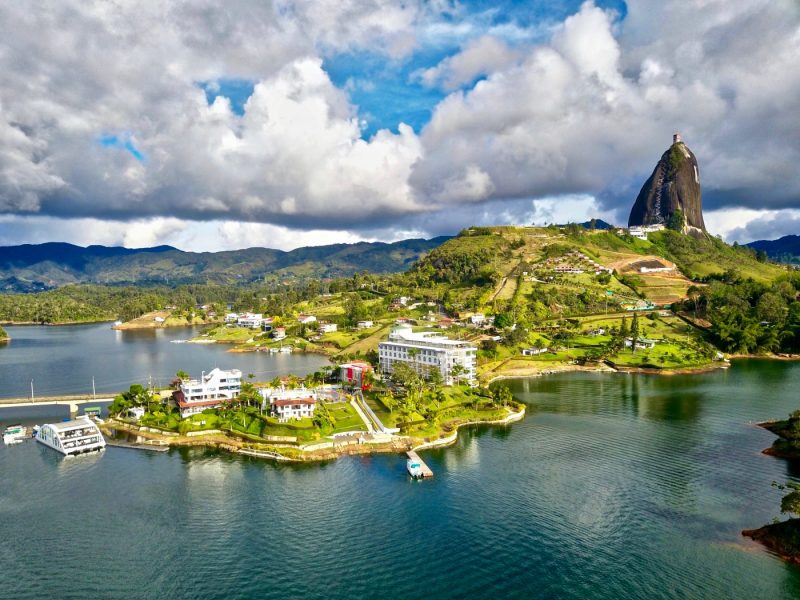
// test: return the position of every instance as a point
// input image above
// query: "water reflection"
(63, 360)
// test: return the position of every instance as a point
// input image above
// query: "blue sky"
(385, 89)
(546, 110)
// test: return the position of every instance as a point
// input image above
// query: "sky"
(213, 125)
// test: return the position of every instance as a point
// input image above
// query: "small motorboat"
(14, 434)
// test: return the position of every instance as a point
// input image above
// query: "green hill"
(30, 268)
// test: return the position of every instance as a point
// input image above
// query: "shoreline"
(61, 324)
(235, 445)
(605, 368)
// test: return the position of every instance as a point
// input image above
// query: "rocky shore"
(781, 538)
(324, 450)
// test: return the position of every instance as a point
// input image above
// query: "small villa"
(306, 319)
(364, 324)
(287, 404)
(327, 328)
(279, 333)
(641, 343)
(251, 320)
(297, 408)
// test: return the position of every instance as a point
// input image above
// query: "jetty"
(417, 467)
(135, 445)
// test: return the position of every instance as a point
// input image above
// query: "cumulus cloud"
(481, 56)
(577, 115)
(582, 113)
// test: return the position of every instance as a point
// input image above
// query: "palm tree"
(457, 372)
(412, 354)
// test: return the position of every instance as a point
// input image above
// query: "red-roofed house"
(293, 408)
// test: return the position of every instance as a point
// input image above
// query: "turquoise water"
(614, 486)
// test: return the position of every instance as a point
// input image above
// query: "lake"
(63, 360)
(614, 486)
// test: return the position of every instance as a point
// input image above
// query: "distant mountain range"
(29, 268)
(785, 249)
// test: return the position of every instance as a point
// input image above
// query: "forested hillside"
(39, 267)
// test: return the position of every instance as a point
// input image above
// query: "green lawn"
(347, 418)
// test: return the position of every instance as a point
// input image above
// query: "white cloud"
(585, 109)
(480, 56)
(581, 115)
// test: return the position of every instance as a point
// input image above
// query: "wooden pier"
(135, 445)
(425, 470)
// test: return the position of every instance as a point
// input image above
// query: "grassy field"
(347, 418)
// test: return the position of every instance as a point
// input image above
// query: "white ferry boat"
(14, 434)
(72, 437)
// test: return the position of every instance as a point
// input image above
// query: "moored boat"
(14, 434)
(72, 437)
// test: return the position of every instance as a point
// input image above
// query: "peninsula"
(343, 410)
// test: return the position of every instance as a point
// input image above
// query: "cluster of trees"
(88, 303)
(137, 395)
(747, 316)
(468, 260)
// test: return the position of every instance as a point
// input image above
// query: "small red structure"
(352, 374)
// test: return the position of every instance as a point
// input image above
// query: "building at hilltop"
(425, 352)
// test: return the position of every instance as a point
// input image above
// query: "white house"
(477, 319)
(251, 320)
(306, 319)
(327, 328)
(641, 343)
(640, 232)
(364, 324)
(286, 404)
(427, 351)
(196, 395)
(231, 318)
(534, 351)
(279, 333)
(298, 408)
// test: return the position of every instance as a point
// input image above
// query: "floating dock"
(417, 467)
(136, 445)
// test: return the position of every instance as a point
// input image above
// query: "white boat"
(286, 349)
(14, 434)
(72, 437)
(414, 467)
(273, 350)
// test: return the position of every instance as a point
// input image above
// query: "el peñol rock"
(674, 185)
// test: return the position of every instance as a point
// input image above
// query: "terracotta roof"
(289, 402)
(184, 404)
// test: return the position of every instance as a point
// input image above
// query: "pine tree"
(623, 328)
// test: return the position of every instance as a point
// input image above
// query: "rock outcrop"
(674, 185)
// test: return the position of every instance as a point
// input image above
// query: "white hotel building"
(433, 351)
(196, 395)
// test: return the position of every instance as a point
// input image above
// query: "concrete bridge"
(72, 401)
